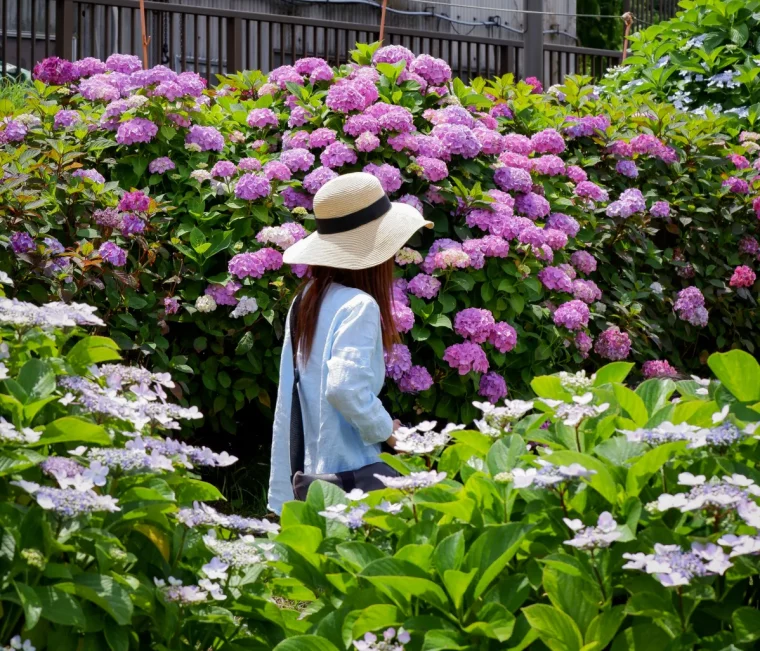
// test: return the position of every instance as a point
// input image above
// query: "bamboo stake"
(382, 20)
(628, 21)
(145, 37)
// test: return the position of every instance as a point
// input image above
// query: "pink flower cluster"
(613, 344)
(690, 307)
(656, 368)
(256, 264)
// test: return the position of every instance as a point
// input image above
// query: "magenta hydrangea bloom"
(403, 141)
(631, 201)
(393, 54)
(749, 245)
(513, 179)
(548, 141)
(358, 124)
(398, 361)
(417, 379)
(585, 126)
(627, 168)
(613, 344)
(743, 276)
(457, 140)
(411, 200)
(262, 117)
(367, 142)
(432, 169)
(298, 117)
(252, 186)
(307, 65)
(532, 235)
(466, 357)
(337, 154)
(573, 315)
(432, 70)
(161, 165)
(403, 317)
(586, 290)
(561, 222)
(249, 165)
(322, 137)
(474, 324)
(284, 75)
(223, 294)
(315, 179)
(292, 199)
(576, 174)
(276, 169)
(124, 63)
(536, 84)
(406, 75)
(171, 305)
(739, 161)
(555, 239)
(555, 279)
(503, 337)
(297, 160)
(136, 201)
(690, 307)
(131, 224)
(583, 262)
(518, 144)
(491, 142)
(55, 71)
(736, 185)
(204, 139)
(583, 342)
(399, 291)
(430, 147)
(89, 66)
(294, 140)
(113, 254)
(66, 118)
(136, 130)
(492, 387)
(21, 242)
(348, 95)
(660, 209)
(549, 165)
(388, 175)
(532, 205)
(589, 190)
(392, 118)
(224, 169)
(255, 265)
(655, 368)
(14, 131)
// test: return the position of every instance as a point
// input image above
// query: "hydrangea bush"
(703, 60)
(567, 226)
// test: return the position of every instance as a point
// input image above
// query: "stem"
(562, 501)
(578, 437)
(598, 576)
(180, 550)
(680, 608)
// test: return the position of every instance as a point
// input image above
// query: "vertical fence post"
(234, 45)
(534, 39)
(64, 29)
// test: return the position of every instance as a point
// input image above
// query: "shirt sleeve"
(350, 376)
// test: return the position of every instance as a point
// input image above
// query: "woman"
(343, 323)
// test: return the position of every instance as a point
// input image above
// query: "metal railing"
(211, 41)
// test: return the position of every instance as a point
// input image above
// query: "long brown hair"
(375, 281)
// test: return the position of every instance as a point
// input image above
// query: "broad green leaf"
(642, 637)
(30, 602)
(550, 386)
(556, 629)
(603, 628)
(440, 321)
(117, 637)
(739, 372)
(655, 393)
(12, 461)
(612, 373)
(746, 623)
(641, 471)
(37, 380)
(505, 453)
(104, 592)
(449, 553)
(456, 583)
(359, 554)
(323, 494)
(491, 552)
(442, 640)
(374, 618)
(631, 404)
(71, 428)
(476, 440)
(305, 643)
(602, 481)
(301, 537)
(571, 595)
(60, 607)
(194, 490)
(404, 579)
(495, 622)
(420, 555)
(92, 350)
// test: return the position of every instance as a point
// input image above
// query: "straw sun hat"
(357, 225)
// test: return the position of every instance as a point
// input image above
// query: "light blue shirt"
(344, 420)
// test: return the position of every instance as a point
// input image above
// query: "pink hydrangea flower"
(297, 160)
(613, 344)
(573, 315)
(315, 179)
(474, 324)
(388, 175)
(403, 316)
(555, 279)
(337, 154)
(690, 307)
(660, 209)
(466, 357)
(252, 186)
(583, 262)
(432, 70)
(415, 380)
(743, 276)
(492, 387)
(260, 118)
(255, 265)
(548, 141)
(502, 336)
(576, 174)
(655, 368)
(367, 142)
(223, 294)
(136, 130)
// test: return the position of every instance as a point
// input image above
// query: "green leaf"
(359, 554)
(104, 592)
(456, 583)
(476, 440)
(602, 481)
(655, 393)
(611, 373)
(194, 490)
(505, 453)
(306, 643)
(60, 607)
(632, 404)
(641, 471)
(550, 386)
(491, 552)
(603, 627)
(245, 344)
(12, 461)
(31, 604)
(739, 372)
(440, 321)
(403, 580)
(571, 595)
(739, 34)
(117, 637)
(449, 553)
(92, 350)
(642, 637)
(37, 380)
(373, 618)
(556, 629)
(71, 428)
(746, 623)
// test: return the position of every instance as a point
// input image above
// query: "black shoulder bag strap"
(296, 417)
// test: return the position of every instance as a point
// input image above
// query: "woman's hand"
(396, 424)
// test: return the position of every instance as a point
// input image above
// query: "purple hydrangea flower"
(432, 70)
(171, 305)
(367, 142)
(583, 262)
(223, 294)
(223, 169)
(131, 224)
(124, 63)
(393, 54)
(358, 124)
(576, 174)
(629, 203)
(549, 165)
(532, 205)
(583, 342)
(161, 165)
(262, 117)
(492, 387)
(275, 169)
(136, 201)
(113, 254)
(431, 169)
(388, 175)
(586, 290)
(255, 265)
(252, 186)
(466, 357)
(415, 380)
(561, 222)
(297, 159)
(736, 185)
(411, 200)
(55, 71)
(658, 368)
(613, 344)
(204, 139)
(398, 361)
(474, 324)
(322, 137)
(556, 279)
(589, 190)
(627, 168)
(513, 179)
(92, 175)
(424, 286)
(660, 209)
(503, 337)
(337, 154)
(314, 180)
(548, 141)
(284, 75)
(457, 140)
(21, 242)
(136, 130)
(403, 317)
(66, 118)
(690, 307)
(292, 198)
(572, 315)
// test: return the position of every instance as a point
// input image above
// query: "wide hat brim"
(363, 247)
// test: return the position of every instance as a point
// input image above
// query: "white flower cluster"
(188, 595)
(9, 434)
(549, 474)
(673, 567)
(723, 435)
(422, 438)
(602, 535)
(17, 644)
(497, 420)
(51, 315)
(571, 414)
(414, 481)
(576, 382)
(203, 515)
(71, 502)
(246, 305)
(241, 552)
